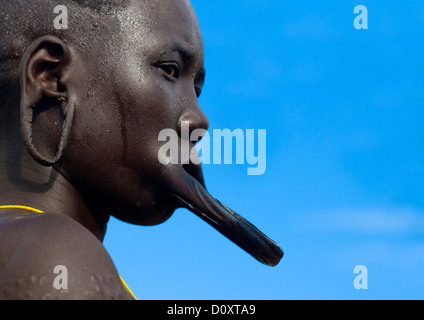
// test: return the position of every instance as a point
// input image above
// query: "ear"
(49, 80)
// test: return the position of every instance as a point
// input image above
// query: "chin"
(147, 214)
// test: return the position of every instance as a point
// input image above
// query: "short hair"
(23, 21)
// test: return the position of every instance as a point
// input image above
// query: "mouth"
(186, 184)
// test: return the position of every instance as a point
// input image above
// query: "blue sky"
(343, 110)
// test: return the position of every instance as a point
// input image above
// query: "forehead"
(161, 25)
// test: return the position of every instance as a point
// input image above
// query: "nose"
(194, 118)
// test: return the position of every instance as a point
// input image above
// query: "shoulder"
(49, 256)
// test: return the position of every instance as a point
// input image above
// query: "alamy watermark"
(61, 21)
(179, 148)
(361, 280)
(61, 280)
(361, 20)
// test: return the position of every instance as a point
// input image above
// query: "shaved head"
(23, 21)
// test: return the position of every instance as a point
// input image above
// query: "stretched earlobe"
(48, 99)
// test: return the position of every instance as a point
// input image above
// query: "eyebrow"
(184, 53)
(189, 57)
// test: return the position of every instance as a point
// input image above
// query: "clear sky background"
(344, 185)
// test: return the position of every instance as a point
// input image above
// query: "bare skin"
(83, 146)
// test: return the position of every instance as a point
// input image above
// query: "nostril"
(192, 121)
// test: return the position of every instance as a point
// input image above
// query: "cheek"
(95, 133)
(147, 107)
(97, 157)
(96, 146)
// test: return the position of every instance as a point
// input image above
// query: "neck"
(25, 182)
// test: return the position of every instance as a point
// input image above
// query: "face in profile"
(151, 82)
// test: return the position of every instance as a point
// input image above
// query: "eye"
(198, 91)
(171, 69)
